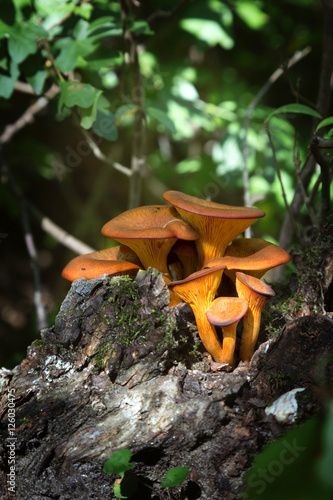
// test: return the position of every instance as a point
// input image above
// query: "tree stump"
(120, 369)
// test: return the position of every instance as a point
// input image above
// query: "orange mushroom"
(226, 312)
(94, 264)
(150, 231)
(257, 294)
(185, 254)
(254, 255)
(198, 290)
(216, 224)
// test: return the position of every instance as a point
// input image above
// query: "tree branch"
(41, 316)
(138, 160)
(29, 115)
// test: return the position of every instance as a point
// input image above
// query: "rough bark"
(119, 369)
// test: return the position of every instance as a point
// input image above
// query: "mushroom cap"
(255, 285)
(198, 275)
(225, 311)
(94, 264)
(151, 221)
(209, 208)
(199, 288)
(216, 224)
(253, 255)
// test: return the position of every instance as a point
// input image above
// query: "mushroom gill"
(216, 224)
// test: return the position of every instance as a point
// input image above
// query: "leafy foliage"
(119, 463)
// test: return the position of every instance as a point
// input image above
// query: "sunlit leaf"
(210, 32)
(119, 462)
(175, 476)
(325, 122)
(251, 14)
(189, 166)
(295, 109)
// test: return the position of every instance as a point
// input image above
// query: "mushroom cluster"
(195, 244)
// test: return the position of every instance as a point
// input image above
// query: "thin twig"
(316, 144)
(98, 153)
(253, 104)
(138, 161)
(25, 88)
(323, 103)
(278, 171)
(59, 234)
(41, 316)
(52, 60)
(307, 201)
(29, 115)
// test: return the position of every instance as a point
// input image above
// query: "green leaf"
(104, 126)
(89, 115)
(37, 81)
(7, 83)
(162, 118)
(250, 13)
(208, 31)
(141, 27)
(117, 492)
(189, 166)
(175, 476)
(22, 40)
(70, 51)
(325, 464)
(325, 122)
(102, 57)
(119, 462)
(286, 468)
(77, 94)
(83, 10)
(294, 108)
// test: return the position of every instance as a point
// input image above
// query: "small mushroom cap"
(254, 284)
(94, 264)
(225, 311)
(151, 221)
(197, 275)
(209, 208)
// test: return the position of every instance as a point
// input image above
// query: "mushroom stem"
(229, 344)
(257, 294)
(208, 336)
(198, 290)
(250, 333)
(226, 312)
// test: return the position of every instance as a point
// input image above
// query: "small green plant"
(126, 485)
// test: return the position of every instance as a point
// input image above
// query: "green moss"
(37, 343)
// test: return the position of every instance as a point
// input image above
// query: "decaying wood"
(120, 369)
